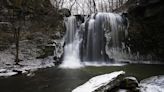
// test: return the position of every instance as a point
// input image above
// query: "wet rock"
(146, 28)
(18, 71)
(129, 83)
(59, 51)
(65, 12)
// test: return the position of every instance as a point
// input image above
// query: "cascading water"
(94, 40)
(115, 36)
(103, 32)
(72, 41)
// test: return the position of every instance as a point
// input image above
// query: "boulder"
(65, 12)
(129, 83)
(101, 83)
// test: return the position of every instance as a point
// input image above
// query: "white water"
(87, 41)
(71, 55)
(71, 49)
(100, 64)
(104, 36)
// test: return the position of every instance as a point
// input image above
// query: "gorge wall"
(146, 27)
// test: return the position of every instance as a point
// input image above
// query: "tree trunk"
(17, 35)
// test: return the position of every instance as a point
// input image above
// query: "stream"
(65, 80)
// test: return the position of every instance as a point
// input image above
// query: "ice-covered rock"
(101, 83)
(152, 84)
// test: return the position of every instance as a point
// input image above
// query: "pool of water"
(64, 80)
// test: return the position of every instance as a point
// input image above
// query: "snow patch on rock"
(99, 82)
(8, 74)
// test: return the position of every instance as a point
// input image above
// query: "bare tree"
(72, 5)
(94, 5)
(17, 27)
(90, 6)
(17, 38)
(61, 3)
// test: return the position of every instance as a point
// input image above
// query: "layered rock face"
(39, 24)
(146, 27)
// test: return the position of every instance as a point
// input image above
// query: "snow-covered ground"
(27, 53)
(8, 67)
(153, 84)
(100, 81)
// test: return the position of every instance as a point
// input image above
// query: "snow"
(2, 70)
(153, 84)
(26, 67)
(151, 88)
(8, 74)
(98, 82)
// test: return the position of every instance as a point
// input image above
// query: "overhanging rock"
(101, 83)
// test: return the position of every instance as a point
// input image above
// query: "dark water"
(64, 80)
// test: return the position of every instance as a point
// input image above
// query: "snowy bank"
(25, 67)
(152, 84)
(102, 82)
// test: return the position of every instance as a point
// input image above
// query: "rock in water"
(153, 84)
(101, 83)
(129, 83)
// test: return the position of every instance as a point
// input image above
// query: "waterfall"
(104, 31)
(115, 36)
(72, 41)
(94, 40)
